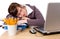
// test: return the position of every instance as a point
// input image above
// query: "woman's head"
(17, 10)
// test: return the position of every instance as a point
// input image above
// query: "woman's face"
(21, 12)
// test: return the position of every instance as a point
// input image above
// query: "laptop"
(52, 23)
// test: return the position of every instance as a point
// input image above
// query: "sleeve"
(39, 21)
(9, 16)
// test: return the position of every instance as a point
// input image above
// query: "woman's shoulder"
(31, 6)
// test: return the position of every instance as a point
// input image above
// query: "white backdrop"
(40, 4)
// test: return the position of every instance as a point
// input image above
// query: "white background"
(40, 4)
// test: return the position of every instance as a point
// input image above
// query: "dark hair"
(12, 10)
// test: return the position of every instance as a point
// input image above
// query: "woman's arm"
(39, 21)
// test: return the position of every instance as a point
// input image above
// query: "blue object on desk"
(5, 27)
(22, 27)
(19, 27)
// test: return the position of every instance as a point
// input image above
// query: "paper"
(2, 31)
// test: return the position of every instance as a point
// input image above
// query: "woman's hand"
(25, 18)
(21, 22)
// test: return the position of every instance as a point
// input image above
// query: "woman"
(27, 14)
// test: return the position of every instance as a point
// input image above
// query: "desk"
(26, 35)
(21, 35)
